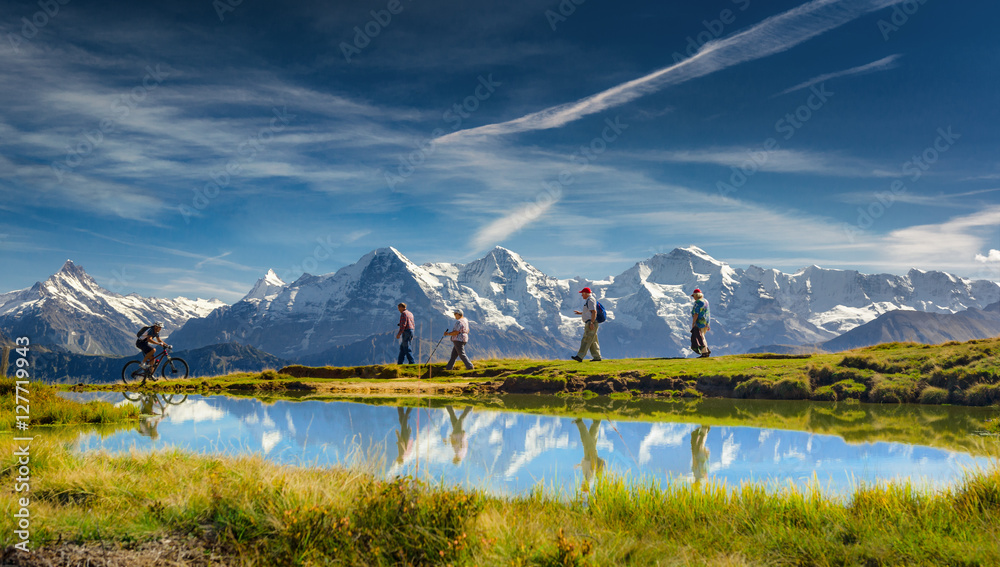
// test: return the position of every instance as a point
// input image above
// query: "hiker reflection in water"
(403, 443)
(459, 441)
(591, 464)
(150, 416)
(699, 453)
(153, 408)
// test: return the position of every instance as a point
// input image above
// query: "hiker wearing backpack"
(146, 335)
(590, 323)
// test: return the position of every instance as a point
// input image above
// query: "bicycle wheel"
(133, 396)
(174, 368)
(132, 373)
(174, 399)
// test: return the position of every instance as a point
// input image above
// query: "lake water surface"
(528, 441)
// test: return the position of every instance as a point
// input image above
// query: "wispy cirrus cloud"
(774, 35)
(778, 161)
(498, 230)
(177, 134)
(955, 242)
(883, 64)
(951, 200)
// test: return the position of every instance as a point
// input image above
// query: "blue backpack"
(602, 315)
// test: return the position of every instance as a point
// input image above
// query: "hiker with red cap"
(589, 341)
(699, 324)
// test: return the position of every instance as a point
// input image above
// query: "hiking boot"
(596, 359)
(705, 354)
(576, 358)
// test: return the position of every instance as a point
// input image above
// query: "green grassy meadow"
(952, 373)
(253, 512)
(248, 511)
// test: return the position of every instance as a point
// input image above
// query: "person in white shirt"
(459, 337)
(589, 341)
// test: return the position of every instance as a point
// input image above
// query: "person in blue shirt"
(700, 319)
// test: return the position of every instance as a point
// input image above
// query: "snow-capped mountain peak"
(266, 287)
(71, 277)
(514, 307)
(71, 310)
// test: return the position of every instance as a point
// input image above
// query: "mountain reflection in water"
(509, 452)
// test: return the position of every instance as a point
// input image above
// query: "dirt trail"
(398, 387)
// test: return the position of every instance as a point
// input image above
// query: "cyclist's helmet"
(158, 324)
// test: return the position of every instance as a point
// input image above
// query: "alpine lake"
(513, 445)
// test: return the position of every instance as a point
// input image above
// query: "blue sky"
(187, 147)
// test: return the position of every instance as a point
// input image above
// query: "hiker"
(459, 440)
(699, 453)
(591, 463)
(700, 319)
(459, 337)
(589, 340)
(404, 445)
(405, 334)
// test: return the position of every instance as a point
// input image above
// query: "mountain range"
(516, 310)
(54, 365)
(69, 310)
(921, 327)
(349, 316)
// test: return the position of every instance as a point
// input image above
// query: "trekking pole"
(428, 363)
(435, 347)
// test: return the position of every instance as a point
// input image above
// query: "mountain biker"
(151, 335)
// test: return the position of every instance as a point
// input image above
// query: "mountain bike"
(169, 367)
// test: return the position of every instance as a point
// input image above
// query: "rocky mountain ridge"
(516, 310)
(513, 304)
(71, 311)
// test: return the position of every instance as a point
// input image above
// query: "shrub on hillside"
(792, 389)
(887, 391)
(849, 389)
(826, 375)
(862, 362)
(983, 394)
(824, 394)
(932, 395)
(756, 387)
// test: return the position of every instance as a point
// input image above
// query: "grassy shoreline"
(248, 511)
(951, 373)
(44, 406)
